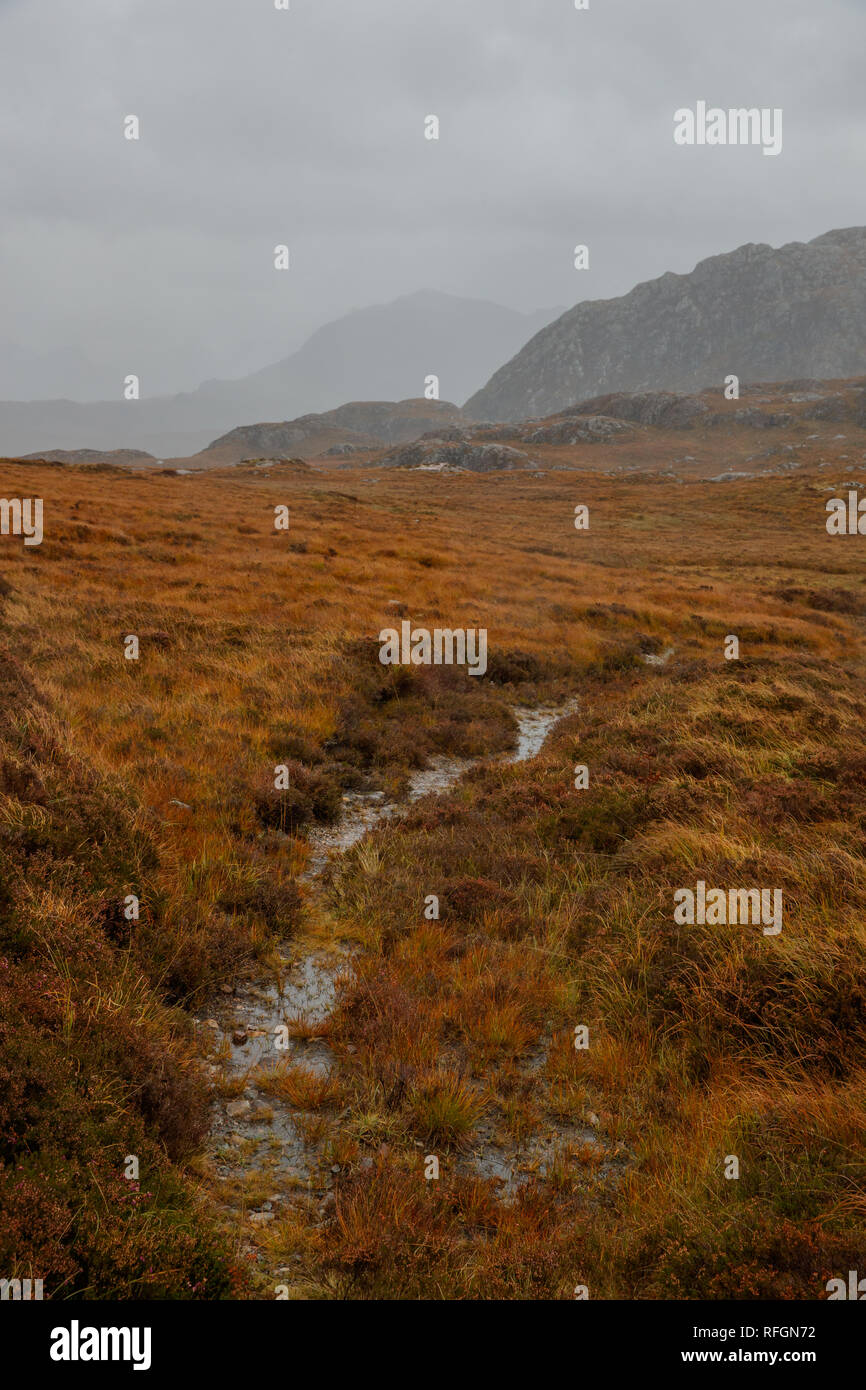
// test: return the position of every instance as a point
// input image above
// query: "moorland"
(153, 779)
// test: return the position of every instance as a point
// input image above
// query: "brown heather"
(556, 904)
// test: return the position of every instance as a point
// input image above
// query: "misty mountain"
(385, 352)
(759, 313)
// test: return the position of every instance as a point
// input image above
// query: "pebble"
(237, 1107)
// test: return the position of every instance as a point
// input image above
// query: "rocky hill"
(358, 427)
(117, 458)
(774, 427)
(760, 313)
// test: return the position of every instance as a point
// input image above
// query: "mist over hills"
(384, 352)
(761, 313)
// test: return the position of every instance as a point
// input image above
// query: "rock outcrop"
(440, 455)
(761, 313)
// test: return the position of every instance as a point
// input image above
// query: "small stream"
(364, 810)
(272, 1024)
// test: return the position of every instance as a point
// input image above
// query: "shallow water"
(533, 727)
(364, 810)
(655, 659)
(264, 1127)
(511, 1166)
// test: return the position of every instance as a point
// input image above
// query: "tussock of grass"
(302, 1087)
(443, 1108)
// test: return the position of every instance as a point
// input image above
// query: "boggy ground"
(556, 904)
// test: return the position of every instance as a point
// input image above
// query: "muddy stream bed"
(267, 1151)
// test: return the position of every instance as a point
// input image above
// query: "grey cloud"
(261, 126)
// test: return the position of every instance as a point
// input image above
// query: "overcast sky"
(306, 127)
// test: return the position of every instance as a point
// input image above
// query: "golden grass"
(557, 903)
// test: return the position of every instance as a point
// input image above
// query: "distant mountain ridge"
(773, 429)
(382, 353)
(761, 313)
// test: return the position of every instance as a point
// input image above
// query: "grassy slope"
(557, 904)
(93, 1068)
